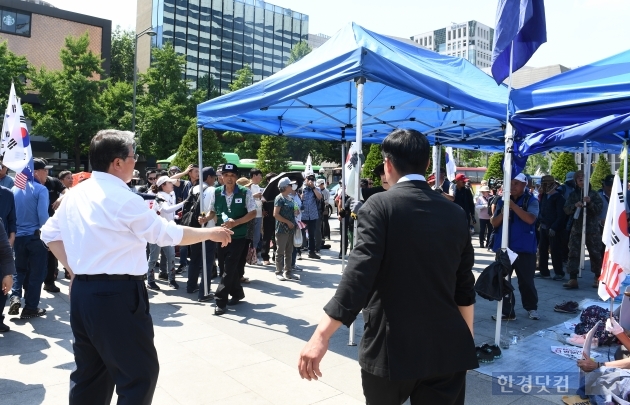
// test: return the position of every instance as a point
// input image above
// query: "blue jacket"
(31, 208)
(522, 235)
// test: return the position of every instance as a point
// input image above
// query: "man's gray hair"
(110, 144)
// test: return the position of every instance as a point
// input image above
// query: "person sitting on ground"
(286, 226)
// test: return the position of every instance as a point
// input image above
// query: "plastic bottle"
(224, 217)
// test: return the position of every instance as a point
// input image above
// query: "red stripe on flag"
(20, 180)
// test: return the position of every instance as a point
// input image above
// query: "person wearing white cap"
(284, 212)
(522, 240)
(165, 207)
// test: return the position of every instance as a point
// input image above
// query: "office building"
(219, 37)
(470, 40)
(37, 30)
(317, 40)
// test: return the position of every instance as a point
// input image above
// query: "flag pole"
(507, 179)
(342, 227)
(203, 243)
(587, 175)
(438, 158)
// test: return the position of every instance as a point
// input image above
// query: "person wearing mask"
(66, 179)
(522, 240)
(256, 178)
(234, 207)
(268, 227)
(208, 177)
(388, 277)
(7, 269)
(165, 206)
(99, 234)
(56, 190)
(552, 220)
(286, 225)
(5, 179)
(483, 203)
(592, 202)
(310, 213)
(31, 256)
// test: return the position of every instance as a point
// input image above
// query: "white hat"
(320, 181)
(484, 188)
(521, 177)
(164, 179)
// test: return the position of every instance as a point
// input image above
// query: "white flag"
(17, 147)
(352, 166)
(7, 123)
(308, 167)
(434, 157)
(616, 262)
(450, 164)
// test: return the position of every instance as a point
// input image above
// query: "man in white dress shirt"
(99, 234)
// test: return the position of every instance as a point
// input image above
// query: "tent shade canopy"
(446, 98)
(584, 94)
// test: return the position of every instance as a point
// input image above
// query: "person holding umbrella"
(284, 212)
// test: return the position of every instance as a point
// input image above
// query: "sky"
(578, 31)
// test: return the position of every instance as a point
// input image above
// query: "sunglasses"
(151, 178)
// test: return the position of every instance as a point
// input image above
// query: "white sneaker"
(533, 314)
(280, 277)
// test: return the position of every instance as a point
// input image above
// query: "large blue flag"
(519, 23)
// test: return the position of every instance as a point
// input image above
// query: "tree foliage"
(165, 104)
(602, 169)
(300, 50)
(72, 113)
(321, 151)
(188, 151)
(244, 78)
(272, 155)
(121, 64)
(13, 68)
(495, 167)
(373, 159)
(116, 101)
(563, 164)
(538, 163)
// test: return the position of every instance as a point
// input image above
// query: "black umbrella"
(271, 191)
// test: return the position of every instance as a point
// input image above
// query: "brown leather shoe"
(571, 284)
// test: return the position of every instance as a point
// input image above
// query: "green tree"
(495, 167)
(300, 50)
(206, 85)
(121, 64)
(14, 69)
(373, 159)
(165, 105)
(321, 151)
(602, 169)
(116, 101)
(272, 155)
(470, 158)
(563, 164)
(188, 151)
(71, 110)
(244, 78)
(537, 163)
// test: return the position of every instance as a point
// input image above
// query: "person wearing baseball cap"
(552, 222)
(574, 207)
(522, 240)
(284, 209)
(234, 206)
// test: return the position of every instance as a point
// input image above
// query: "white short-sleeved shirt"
(105, 228)
(208, 201)
(255, 188)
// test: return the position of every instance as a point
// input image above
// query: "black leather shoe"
(234, 301)
(32, 313)
(163, 276)
(4, 328)
(313, 256)
(52, 288)
(219, 311)
(206, 298)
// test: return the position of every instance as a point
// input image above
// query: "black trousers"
(525, 267)
(230, 260)
(545, 244)
(52, 268)
(267, 241)
(485, 230)
(113, 343)
(196, 266)
(311, 226)
(443, 390)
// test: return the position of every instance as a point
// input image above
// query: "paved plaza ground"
(249, 356)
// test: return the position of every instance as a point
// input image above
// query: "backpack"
(192, 210)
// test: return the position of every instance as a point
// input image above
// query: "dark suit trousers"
(444, 390)
(525, 267)
(230, 259)
(52, 267)
(113, 343)
(196, 266)
(546, 243)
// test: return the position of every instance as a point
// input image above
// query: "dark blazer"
(410, 269)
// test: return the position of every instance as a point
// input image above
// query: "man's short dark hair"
(107, 145)
(63, 174)
(379, 170)
(408, 150)
(255, 172)
(151, 171)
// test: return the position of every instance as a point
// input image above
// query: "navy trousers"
(113, 343)
(230, 262)
(196, 266)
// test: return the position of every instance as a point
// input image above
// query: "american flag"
(24, 176)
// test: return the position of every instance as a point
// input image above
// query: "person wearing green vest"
(234, 206)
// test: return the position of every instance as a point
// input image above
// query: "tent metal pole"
(203, 244)
(625, 166)
(587, 175)
(360, 82)
(342, 227)
(507, 179)
(437, 163)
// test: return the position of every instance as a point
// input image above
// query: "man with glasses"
(31, 256)
(99, 234)
(5, 180)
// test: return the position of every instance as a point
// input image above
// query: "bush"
(495, 167)
(187, 153)
(602, 169)
(374, 158)
(563, 164)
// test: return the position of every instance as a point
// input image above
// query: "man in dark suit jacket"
(416, 292)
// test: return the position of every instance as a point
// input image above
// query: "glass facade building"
(219, 37)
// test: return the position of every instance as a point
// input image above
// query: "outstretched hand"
(221, 235)
(310, 357)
